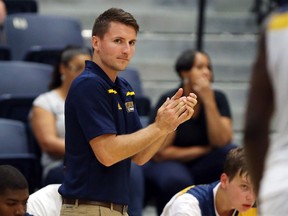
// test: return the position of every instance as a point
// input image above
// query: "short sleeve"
(43, 102)
(222, 104)
(93, 108)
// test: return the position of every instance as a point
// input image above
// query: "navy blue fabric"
(96, 106)
(136, 191)
(205, 197)
(54, 176)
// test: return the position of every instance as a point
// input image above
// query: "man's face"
(13, 202)
(115, 50)
(240, 193)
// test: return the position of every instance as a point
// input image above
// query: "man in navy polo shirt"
(103, 130)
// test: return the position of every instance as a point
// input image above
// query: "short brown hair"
(236, 162)
(102, 23)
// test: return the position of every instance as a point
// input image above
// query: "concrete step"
(221, 48)
(235, 92)
(233, 5)
(164, 71)
(155, 16)
(166, 47)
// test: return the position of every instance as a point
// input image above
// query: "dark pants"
(164, 179)
(55, 176)
(137, 191)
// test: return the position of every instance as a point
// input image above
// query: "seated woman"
(195, 152)
(48, 124)
(47, 114)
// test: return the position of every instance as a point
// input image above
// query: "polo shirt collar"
(95, 68)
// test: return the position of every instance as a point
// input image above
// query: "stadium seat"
(14, 149)
(42, 54)
(26, 30)
(16, 107)
(20, 83)
(24, 78)
(133, 78)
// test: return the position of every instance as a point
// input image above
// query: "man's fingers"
(186, 115)
(180, 109)
(171, 104)
(192, 95)
(191, 100)
(178, 94)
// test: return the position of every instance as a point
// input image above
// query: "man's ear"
(95, 42)
(224, 180)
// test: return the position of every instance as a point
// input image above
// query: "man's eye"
(132, 43)
(11, 203)
(117, 41)
(244, 187)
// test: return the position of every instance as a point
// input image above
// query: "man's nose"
(126, 48)
(20, 211)
(250, 196)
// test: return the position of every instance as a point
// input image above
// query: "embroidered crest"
(129, 106)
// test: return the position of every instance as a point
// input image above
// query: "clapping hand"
(175, 111)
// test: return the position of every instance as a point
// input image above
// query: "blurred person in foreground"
(196, 151)
(103, 129)
(269, 95)
(233, 195)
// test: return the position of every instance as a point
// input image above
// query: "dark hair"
(68, 53)
(102, 23)
(11, 178)
(236, 162)
(186, 61)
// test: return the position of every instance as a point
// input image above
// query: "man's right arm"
(110, 148)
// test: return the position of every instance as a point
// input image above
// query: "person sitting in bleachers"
(195, 152)
(47, 114)
(232, 195)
